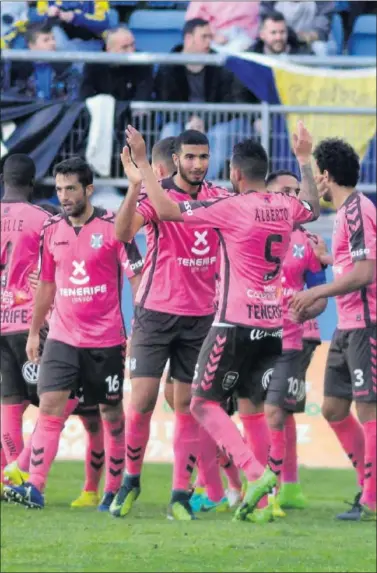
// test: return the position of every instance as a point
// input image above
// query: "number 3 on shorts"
(112, 384)
(359, 377)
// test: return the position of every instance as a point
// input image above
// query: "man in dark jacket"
(199, 84)
(275, 38)
(124, 83)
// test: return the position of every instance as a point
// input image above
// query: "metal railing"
(264, 122)
(144, 58)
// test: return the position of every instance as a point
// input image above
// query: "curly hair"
(340, 160)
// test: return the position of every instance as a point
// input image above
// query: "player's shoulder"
(212, 190)
(104, 215)
(53, 220)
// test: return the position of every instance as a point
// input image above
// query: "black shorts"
(158, 337)
(19, 376)
(98, 372)
(231, 361)
(287, 386)
(351, 365)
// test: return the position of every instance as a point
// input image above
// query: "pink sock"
(200, 480)
(3, 461)
(257, 435)
(277, 450)
(210, 466)
(115, 449)
(11, 430)
(290, 466)
(369, 491)
(218, 424)
(351, 437)
(44, 447)
(137, 437)
(23, 460)
(95, 452)
(185, 447)
(231, 472)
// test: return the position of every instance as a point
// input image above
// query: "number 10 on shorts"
(112, 384)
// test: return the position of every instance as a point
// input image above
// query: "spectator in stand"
(234, 24)
(275, 38)
(77, 25)
(42, 80)
(124, 83)
(13, 15)
(310, 20)
(199, 84)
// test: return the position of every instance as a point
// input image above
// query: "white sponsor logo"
(79, 276)
(266, 378)
(187, 206)
(230, 380)
(307, 205)
(96, 241)
(88, 291)
(133, 266)
(133, 364)
(360, 253)
(196, 262)
(257, 334)
(201, 246)
(7, 298)
(30, 372)
(298, 251)
(337, 270)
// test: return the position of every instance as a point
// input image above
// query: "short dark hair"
(163, 151)
(191, 25)
(33, 29)
(340, 160)
(271, 177)
(75, 166)
(251, 158)
(19, 171)
(190, 137)
(275, 16)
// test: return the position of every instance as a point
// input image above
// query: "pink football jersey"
(179, 274)
(254, 231)
(21, 226)
(354, 239)
(87, 265)
(300, 268)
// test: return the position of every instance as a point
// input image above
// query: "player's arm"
(127, 221)
(133, 263)
(46, 289)
(302, 148)
(165, 208)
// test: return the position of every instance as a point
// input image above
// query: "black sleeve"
(135, 259)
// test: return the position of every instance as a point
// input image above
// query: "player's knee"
(111, 413)
(365, 412)
(248, 408)
(275, 416)
(53, 403)
(335, 410)
(144, 395)
(169, 395)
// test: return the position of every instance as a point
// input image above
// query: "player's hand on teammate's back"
(302, 143)
(32, 348)
(132, 173)
(34, 279)
(137, 144)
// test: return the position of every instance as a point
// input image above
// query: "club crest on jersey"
(96, 241)
(298, 251)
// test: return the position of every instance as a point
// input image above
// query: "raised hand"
(131, 171)
(137, 144)
(302, 143)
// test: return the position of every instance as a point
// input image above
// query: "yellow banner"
(317, 447)
(352, 89)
